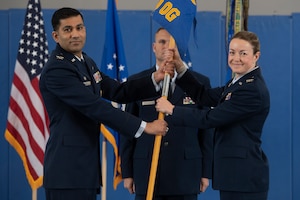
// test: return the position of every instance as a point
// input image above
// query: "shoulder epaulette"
(60, 57)
(250, 80)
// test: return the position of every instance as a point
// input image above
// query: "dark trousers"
(225, 195)
(71, 194)
(174, 197)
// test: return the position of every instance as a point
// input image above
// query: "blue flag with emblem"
(177, 17)
(114, 65)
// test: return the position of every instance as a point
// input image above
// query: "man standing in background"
(185, 162)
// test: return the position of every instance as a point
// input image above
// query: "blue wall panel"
(207, 53)
(4, 92)
(275, 36)
(95, 27)
(279, 60)
(136, 32)
(295, 106)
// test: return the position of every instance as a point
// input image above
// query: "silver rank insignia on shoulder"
(249, 80)
(228, 96)
(73, 60)
(240, 83)
(60, 57)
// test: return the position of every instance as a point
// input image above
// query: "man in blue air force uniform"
(73, 89)
(185, 162)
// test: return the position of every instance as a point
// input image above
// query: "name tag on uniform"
(148, 103)
(87, 83)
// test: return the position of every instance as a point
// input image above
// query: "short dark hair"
(63, 13)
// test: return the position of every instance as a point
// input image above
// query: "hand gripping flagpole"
(157, 141)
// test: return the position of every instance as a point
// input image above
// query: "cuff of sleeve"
(179, 75)
(140, 130)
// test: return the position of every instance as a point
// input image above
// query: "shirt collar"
(236, 79)
(79, 58)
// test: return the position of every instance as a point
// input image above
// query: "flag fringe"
(34, 184)
(117, 168)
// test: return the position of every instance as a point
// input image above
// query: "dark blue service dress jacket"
(239, 113)
(185, 155)
(73, 94)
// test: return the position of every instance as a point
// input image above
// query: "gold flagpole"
(104, 168)
(34, 194)
(157, 141)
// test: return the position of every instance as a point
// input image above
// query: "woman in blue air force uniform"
(240, 168)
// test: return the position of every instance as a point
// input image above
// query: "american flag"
(27, 120)
(114, 65)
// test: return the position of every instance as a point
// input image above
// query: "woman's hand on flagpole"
(164, 106)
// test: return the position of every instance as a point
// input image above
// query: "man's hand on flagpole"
(159, 74)
(176, 60)
(157, 127)
(204, 184)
